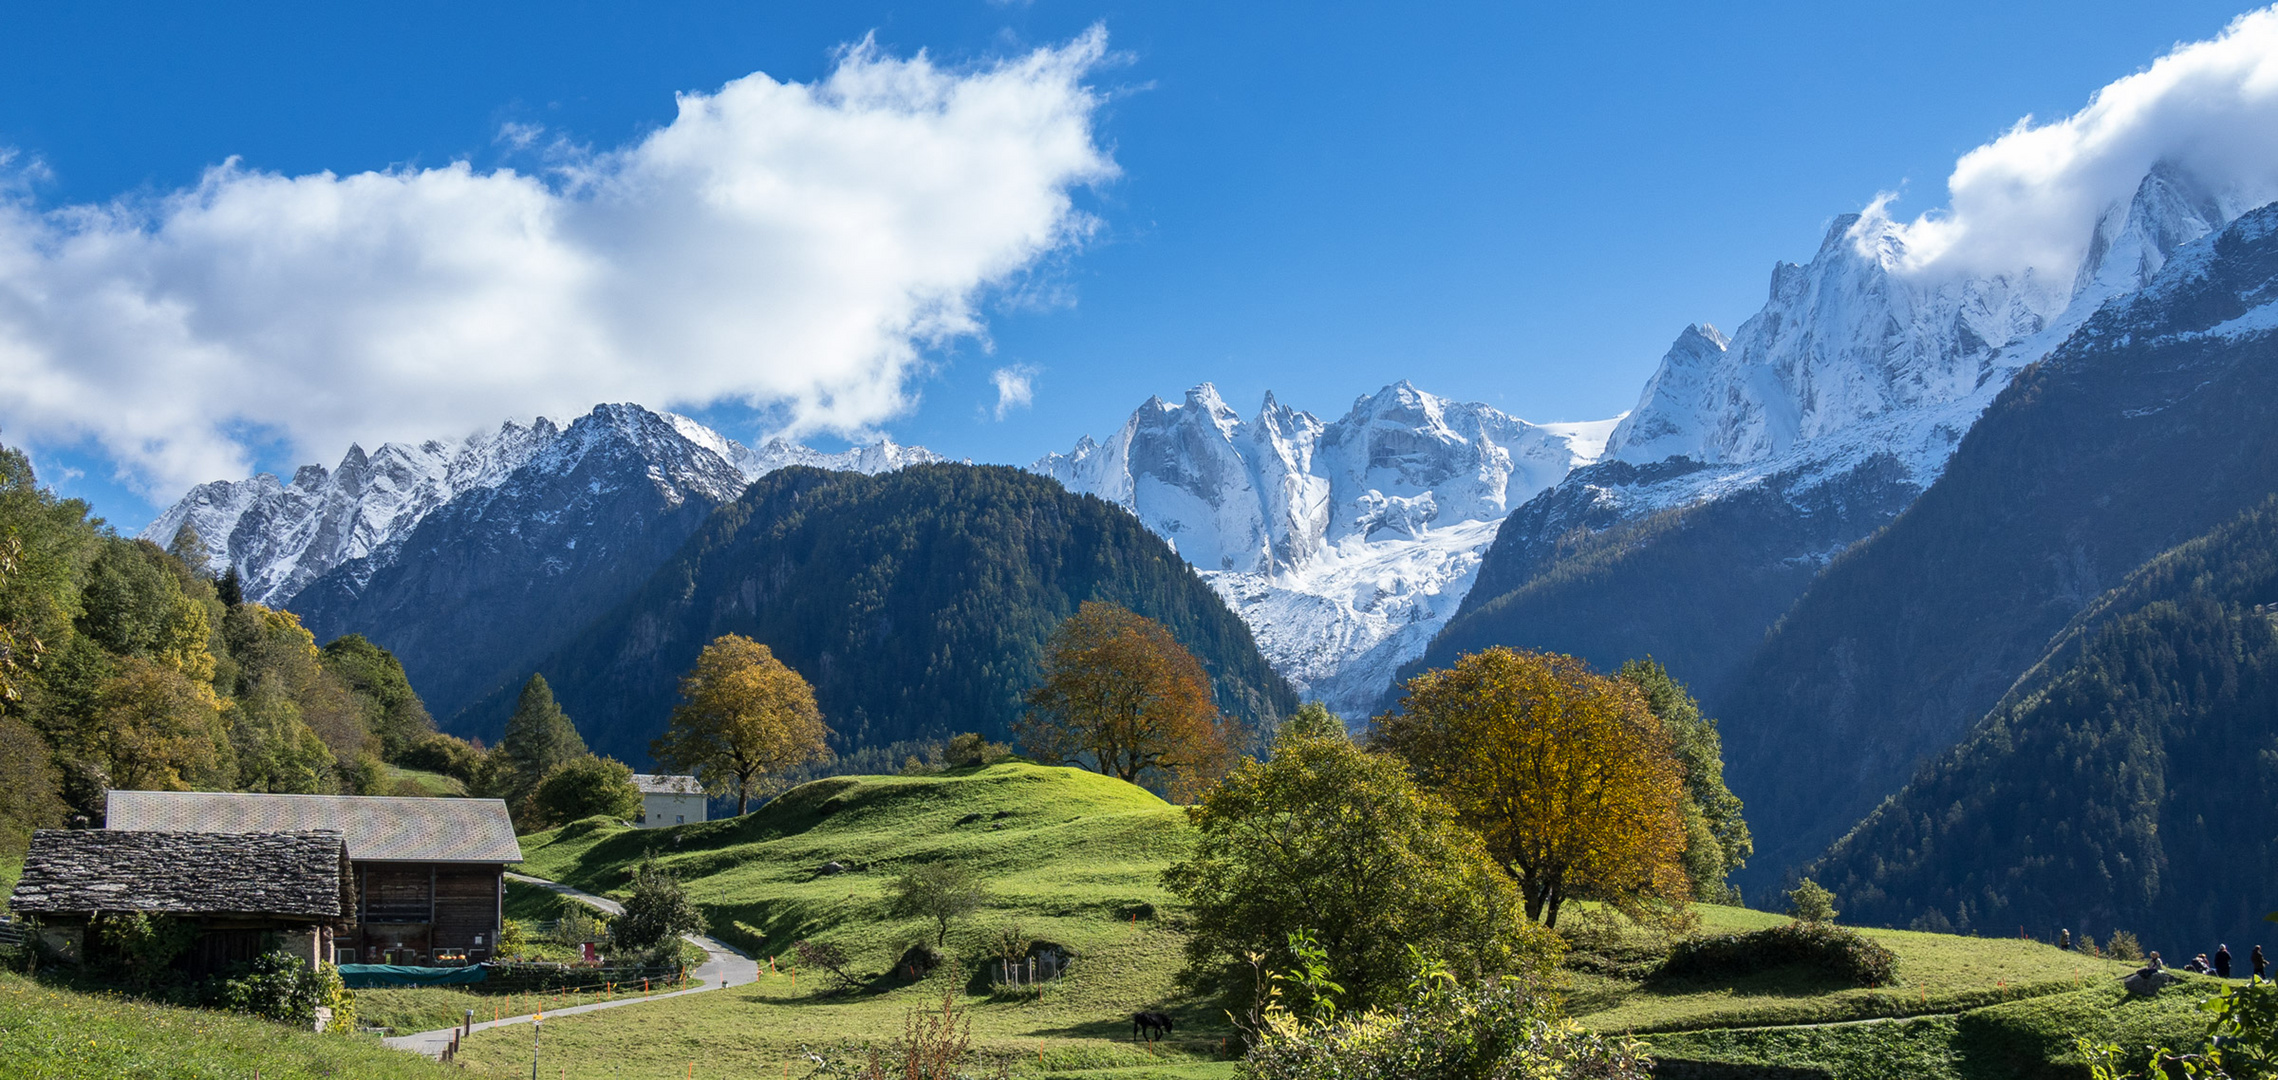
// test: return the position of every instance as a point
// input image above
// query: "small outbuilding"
(243, 893)
(669, 800)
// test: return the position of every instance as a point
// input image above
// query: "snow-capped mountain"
(281, 536)
(1343, 545)
(1751, 462)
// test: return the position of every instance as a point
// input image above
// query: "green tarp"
(362, 976)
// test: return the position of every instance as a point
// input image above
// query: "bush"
(971, 749)
(830, 958)
(1845, 954)
(657, 913)
(436, 752)
(2124, 946)
(579, 925)
(284, 988)
(1493, 1030)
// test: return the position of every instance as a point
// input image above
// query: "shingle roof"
(665, 784)
(384, 828)
(268, 873)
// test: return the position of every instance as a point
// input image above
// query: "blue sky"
(1518, 204)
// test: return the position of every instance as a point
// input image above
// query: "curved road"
(727, 967)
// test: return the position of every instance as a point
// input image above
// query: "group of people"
(2219, 966)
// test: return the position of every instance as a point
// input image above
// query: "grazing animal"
(1156, 1024)
(2147, 982)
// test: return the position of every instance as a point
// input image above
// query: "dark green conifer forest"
(2129, 780)
(916, 602)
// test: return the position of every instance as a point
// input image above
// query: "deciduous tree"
(941, 891)
(1717, 840)
(587, 787)
(1567, 774)
(1330, 838)
(159, 731)
(1121, 695)
(744, 716)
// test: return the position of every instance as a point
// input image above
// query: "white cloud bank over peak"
(2032, 198)
(790, 246)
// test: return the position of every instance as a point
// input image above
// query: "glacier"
(1343, 545)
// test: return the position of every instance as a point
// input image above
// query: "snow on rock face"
(1850, 338)
(1343, 545)
(281, 536)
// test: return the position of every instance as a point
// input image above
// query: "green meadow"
(1073, 859)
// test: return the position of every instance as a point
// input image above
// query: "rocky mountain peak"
(282, 537)
(1342, 543)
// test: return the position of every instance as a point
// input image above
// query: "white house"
(669, 800)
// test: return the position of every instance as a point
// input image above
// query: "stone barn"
(243, 893)
(428, 873)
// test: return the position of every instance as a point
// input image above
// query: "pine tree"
(539, 739)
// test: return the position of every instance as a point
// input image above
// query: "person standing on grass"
(2222, 961)
(2255, 958)
(2064, 940)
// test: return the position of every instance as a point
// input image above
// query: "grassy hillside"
(2021, 1040)
(53, 1034)
(1938, 973)
(1075, 859)
(1072, 858)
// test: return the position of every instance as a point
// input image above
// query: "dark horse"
(1156, 1024)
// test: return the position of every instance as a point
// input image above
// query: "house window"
(680, 819)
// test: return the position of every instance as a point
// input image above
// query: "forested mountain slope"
(917, 603)
(2125, 783)
(2147, 427)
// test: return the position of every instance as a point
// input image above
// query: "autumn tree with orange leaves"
(1121, 695)
(745, 717)
(1568, 776)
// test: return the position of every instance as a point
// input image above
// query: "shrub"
(447, 754)
(657, 913)
(1499, 1029)
(1845, 954)
(578, 925)
(830, 958)
(286, 989)
(971, 749)
(2123, 945)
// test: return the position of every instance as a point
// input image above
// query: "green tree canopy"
(1330, 838)
(1717, 841)
(584, 788)
(539, 739)
(944, 892)
(392, 710)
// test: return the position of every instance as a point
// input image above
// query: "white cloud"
(790, 246)
(1016, 387)
(2031, 198)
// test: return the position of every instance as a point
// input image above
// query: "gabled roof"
(381, 828)
(666, 784)
(203, 873)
